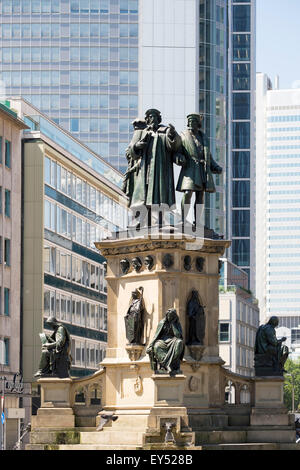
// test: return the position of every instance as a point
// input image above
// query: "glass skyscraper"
(241, 148)
(212, 97)
(95, 65)
(77, 61)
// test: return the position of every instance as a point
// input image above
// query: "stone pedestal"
(55, 410)
(133, 391)
(269, 408)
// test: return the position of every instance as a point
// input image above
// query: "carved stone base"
(134, 351)
(196, 351)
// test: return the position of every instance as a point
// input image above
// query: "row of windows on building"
(88, 102)
(62, 263)
(104, 56)
(91, 7)
(86, 353)
(93, 78)
(66, 223)
(85, 194)
(75, 310)
(290, 118)
(285, 137)
(244, 334)
(283, 129)
(100, 125)
(244, 358)
(64, 30)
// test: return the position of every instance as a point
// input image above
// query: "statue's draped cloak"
(168, 346)
(154, 183)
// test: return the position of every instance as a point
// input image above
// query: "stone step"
(111, 438)
(242, 446)
(80, 447)
(237, 446)
(245, 436)
(251, 446)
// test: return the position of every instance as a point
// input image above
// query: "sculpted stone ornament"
(134, 319)
(196, 173)
(196, 320)
(167, 347)
(200, 263)
(137, 264)
(55, 359)
(149, 262)
(187, 263)
(269, 353)
(168, 261)
(104, 264)
(125, 265)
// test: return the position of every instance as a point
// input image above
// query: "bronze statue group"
(153, 150)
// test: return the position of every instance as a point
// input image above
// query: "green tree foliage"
(292, 367)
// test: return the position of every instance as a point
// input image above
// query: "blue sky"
(278, 40)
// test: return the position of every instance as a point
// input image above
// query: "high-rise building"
(240, 204)
(104, 62)
(71, 198)
(183, 69)
(278, 211)
(77, 61)
(10, 268)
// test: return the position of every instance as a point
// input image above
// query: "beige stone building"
(238, 321)
(67, 199)
(10, 265)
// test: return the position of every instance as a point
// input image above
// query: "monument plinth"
(133, 390)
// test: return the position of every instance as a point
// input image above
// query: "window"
(7, 203)
(241, 76)
(7, 252)
(241, 223)
(241, 193)
(74, 125)
(7, 154)
(241, 135)
(241, 18)
(241, 252)
(241, 105)
(241, 47)
(6, 301)
(241, 164)
(6, 351)
(223, 332)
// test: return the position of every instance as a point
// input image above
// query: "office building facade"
(103, 63)
(278, 212)
(69, 202)
(11, 128)
(238, 320)
(77, 61)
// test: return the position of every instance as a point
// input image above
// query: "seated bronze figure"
(269, 353)
(167, 347)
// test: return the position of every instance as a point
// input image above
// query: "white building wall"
(168, 58)
(278, 215)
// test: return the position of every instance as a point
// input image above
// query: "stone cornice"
(113, 247)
